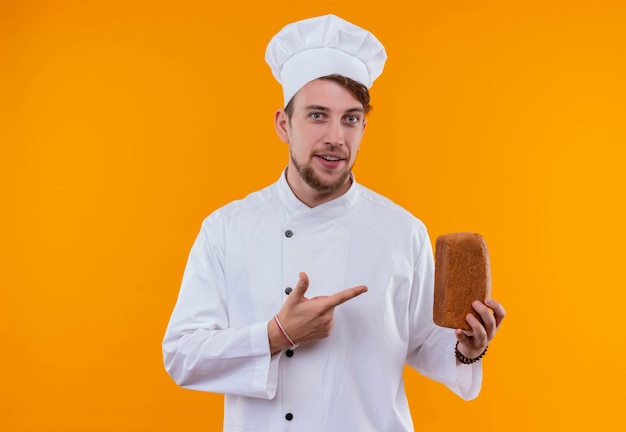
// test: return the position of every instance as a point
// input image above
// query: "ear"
(281, 123)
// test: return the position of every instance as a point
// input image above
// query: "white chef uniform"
(242, 264)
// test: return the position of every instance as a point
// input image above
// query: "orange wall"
(124, 123)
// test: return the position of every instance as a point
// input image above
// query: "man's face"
(324, 134)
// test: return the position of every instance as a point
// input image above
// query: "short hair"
(358, 90)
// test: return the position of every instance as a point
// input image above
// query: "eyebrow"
(326, 109)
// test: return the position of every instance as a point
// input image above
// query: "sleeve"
(200, 350)
(431, 348)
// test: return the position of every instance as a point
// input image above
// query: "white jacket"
(239, 267)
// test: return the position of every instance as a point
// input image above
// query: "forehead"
(326, 93)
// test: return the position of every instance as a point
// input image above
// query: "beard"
(315, 182)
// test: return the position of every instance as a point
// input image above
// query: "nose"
(334, 134)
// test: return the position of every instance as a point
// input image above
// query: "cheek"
(355, 143)
(353, 155)
(298, 150)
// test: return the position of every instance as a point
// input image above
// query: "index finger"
(345, 295)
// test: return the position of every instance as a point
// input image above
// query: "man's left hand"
(473, 342)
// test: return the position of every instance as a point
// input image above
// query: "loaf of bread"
(462, 275)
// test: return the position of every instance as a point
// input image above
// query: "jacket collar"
(331, 209)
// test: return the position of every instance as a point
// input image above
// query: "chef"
(303, 301)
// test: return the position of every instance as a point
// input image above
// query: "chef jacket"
(240, 270)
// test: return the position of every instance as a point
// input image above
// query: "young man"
(303, 302)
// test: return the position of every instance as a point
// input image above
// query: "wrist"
(277, 342)
(467, 359)
(284, 334)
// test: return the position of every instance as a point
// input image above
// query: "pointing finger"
(345, 295)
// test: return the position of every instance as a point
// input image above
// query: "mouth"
(330, 158)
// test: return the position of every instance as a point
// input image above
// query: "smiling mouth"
(331, 158)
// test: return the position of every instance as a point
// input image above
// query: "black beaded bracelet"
(466, 360)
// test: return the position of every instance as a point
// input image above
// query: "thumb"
(463, 336)
(301, 287)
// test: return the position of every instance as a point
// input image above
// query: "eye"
(316, 116)
(352, 118)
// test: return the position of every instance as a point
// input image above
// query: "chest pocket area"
(322, 252)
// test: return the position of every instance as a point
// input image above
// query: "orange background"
(124, 123)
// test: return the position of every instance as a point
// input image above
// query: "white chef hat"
(320, 46)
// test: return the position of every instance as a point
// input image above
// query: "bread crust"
(462, 275)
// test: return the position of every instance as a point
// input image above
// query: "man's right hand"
(307, 319)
